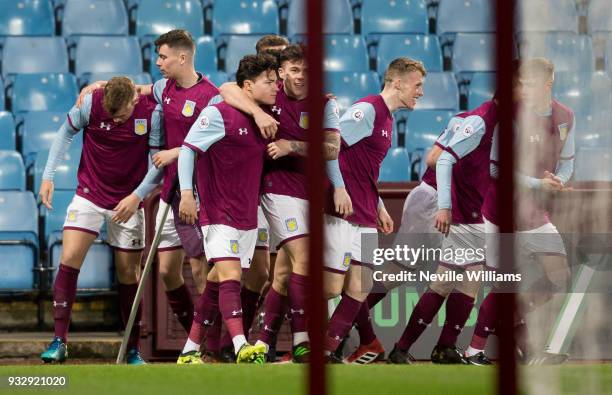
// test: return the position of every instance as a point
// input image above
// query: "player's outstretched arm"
(235, 97)
(432, 156)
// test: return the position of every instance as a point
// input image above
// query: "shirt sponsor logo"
(140, 126)
(304, 120)
(291, 224)
(234, 246)
(358, 115)
(262, 235)
(563, 131)
(188, 108)
(347, 259)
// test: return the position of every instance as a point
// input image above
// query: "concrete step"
(88, 345)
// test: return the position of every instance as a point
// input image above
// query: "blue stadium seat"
(7, 131)
(94, 18)
(415, 46)
(473, 16)
(206, 54)
(245, 17)
(26, 18)
(43, 92)
(34, 55)
(18, 240)
(395, 167)
(599, 16)
(481, 89)
(108, 54)
(424, 127)
(608, 54)
(474, 52)
(593, 164)
(568, 51)
(392, 16)
(588, 95)
(156, 17)
(351, 86)
(339, 17)
(38, 132)
(217, 77)
(440, 92)
(237, 47)
(345, 52)
(547, 16)
(2, 99)
(12, 171)
(97, 271)
(65, 178)
(139, 78)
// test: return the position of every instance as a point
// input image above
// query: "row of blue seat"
(151, 18)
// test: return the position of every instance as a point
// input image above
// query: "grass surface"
(290, 379)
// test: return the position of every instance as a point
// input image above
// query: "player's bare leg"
(199, 271)
(127, 268)
(179, 296)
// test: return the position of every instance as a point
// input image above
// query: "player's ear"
(281, 73)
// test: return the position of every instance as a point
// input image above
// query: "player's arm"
(76, 120)
(385, 222)
(464, 141)
(565, 167)
(207, 129)
(128, 205)
(235, 97)
(441, 141)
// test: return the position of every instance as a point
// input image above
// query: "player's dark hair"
(294, 53)
(176, 39)
(251, 66)
(118, 93)
(270, 40)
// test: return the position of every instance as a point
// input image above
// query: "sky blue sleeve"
(152, 179)
(565, 167)
(61, 143)
(493, 157)
(334, 174)
(331, 115)
(449, 131)
(206, 130)
(467, 137)
(357, 122)
(158, 89)
(444, 175)
(216, 99)
(156, 136)
(78, 117)
(186, 164)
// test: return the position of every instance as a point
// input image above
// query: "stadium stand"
(568, 51)
(396, 166)
(474, 16)
(339, 17)
(440, 92)
(12, 171)
(34, 55)
(7, 131)
(421, 47)
(26, 18)
(548, 16)
(350, 86)
(391, 16)
(245, 17)
(593, 164)
(94, 18)
(43, 92)
(107, 54)
(345, 53)
(482, 88)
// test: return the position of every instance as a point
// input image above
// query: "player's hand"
(46, 193)
(385, 222)
(330, 96)
(551, 184)
(126, 208)
(443, 221)
(266, 123)
(187, 208)
(279, 148)
(87, 90)
(342, 202)
(165, 157)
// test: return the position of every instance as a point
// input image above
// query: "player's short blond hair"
(540, 68)
(402, 66)
(118, 94)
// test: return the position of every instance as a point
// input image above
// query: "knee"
(560, 279)
(332, 290)
(442, 288)
(257, 278)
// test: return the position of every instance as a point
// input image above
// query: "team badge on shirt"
(563, 131)
(140, 126)
(262, 235)
(234, 246)
(358, 115)
(347, 259)
(304, 120)
(291, 224)
(188, 108)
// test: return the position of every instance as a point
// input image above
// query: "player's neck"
(250, 97)
(188, 79)
(543, 107)
(390, 100)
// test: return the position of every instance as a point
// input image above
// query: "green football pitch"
(290, 379)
